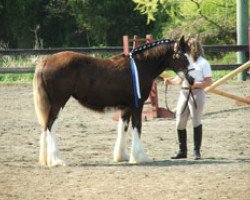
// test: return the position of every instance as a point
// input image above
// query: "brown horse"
(98, 84)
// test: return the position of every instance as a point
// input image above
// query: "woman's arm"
(207, 82)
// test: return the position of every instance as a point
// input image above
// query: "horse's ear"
(183, 45)
(182, 40)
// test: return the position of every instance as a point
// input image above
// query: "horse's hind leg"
(47, 113)
(120, 152)
(137, 153)
(43, 148)
(53, 153)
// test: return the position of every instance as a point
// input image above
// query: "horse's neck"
(153, 66)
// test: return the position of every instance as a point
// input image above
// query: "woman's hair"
(196, 49)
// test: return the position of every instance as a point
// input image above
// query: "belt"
(187, 88)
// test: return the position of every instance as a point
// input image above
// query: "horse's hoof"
(42, 163)
(121, 158)
(56, 163)
(140, 161)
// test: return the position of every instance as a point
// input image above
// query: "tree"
(214, 20)
(105, 22)
(69, 22)
(18, 19)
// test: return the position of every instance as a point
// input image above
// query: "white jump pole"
(228, 76)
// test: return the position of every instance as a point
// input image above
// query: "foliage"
(105, 22)
(61, 23)
(64, 23)
(214, 21)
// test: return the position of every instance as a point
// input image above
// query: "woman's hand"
(167, 81)
(174, 81)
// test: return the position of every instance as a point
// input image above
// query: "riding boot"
(197, 142)
(182, 137)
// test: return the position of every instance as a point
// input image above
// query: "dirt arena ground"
(86, 140)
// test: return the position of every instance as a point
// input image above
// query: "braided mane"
(152, 49)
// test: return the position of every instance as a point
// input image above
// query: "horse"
(98, 84)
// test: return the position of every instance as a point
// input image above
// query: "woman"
(192, 98)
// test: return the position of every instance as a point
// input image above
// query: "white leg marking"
(53, 153)
(137, 153)
(43, 149)
(120, 153)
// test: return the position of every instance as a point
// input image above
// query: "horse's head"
(180, 62)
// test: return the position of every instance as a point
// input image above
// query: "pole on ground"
(240, 100)
(228, 76)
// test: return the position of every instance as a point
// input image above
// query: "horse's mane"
(153, 49)
(148, 51)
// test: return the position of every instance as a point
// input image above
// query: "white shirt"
(198, 70)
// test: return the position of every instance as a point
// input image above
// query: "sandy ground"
(86, 140)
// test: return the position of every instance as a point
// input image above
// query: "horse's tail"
(41, 99)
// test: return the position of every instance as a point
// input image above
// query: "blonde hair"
(196, 49)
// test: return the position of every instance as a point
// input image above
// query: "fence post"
(125, 44)
(248, 43)
(135, 41)
(149, 38)
(242, 34)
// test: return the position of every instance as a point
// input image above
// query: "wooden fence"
(112, 50)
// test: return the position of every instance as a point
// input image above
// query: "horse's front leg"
(120, 151)
(137, 152)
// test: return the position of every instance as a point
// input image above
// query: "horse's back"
(95, 82)
(63, 59)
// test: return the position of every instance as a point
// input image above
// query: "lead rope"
(190, 92)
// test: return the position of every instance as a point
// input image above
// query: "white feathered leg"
(120, 152)
(137, 153)
(43, 148)
(53, 153)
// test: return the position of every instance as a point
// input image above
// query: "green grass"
(27, 78)
(19, 61)
(31, 61)
(16, 78)
(222, 58)
(221, 73)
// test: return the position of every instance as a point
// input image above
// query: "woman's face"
(191, 42)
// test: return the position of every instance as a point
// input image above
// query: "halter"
(135, 75)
